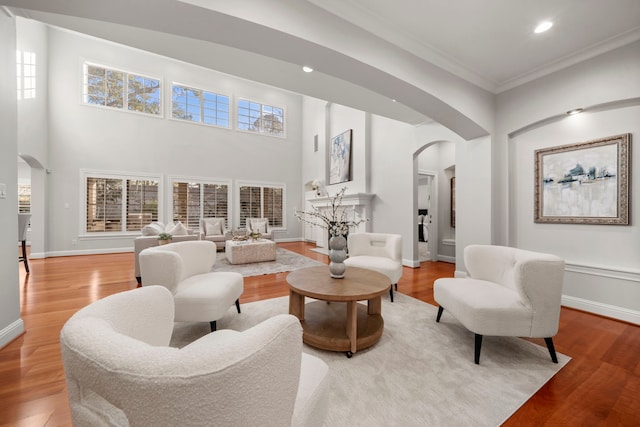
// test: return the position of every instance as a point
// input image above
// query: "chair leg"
(139, 280)
(552, 349)
(24, 256)
(213, 325)
(396, 286)
(391, 293)
(440, 310)
(238, 305)
(477, 349)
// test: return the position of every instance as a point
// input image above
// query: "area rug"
(285, 261)
(420, 373)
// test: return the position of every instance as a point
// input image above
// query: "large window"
(119, 204)
(262, 201)
(199, 106)
(26, 74)
(119, 89)
(260, 118)
(193, 200)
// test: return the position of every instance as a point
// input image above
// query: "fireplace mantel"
(360, 203)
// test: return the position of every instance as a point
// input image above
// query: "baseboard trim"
(607, 310)
(11, 332)
(410, 263)
(100, 251)
(447, 258)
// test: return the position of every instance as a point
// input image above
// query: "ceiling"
(365, 52)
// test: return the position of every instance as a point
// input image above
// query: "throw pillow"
(259, 226)
(213, 228)
(153, 229)
(178, 229)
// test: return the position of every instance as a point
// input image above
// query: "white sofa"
(508, 292)
(149, 239)
(120, 370)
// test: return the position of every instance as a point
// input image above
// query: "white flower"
(334, 219)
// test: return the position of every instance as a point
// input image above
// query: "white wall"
(86, 137)
(10, 322)
(603, 273)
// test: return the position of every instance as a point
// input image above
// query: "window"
(107, 87)
(24, 198)
(259, 201)
(26, 74)
(193, 200)
(260, 118)
(200, 106)
(118, 204)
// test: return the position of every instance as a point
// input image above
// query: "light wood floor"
(599, 386)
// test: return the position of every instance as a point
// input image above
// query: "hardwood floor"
(599, 386)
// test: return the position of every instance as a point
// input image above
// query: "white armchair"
(380, 252)
(215, 230)
(185, 269)
(260, 225)
(508, 292)
(120, 370)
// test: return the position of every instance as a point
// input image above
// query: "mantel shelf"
(355, 199)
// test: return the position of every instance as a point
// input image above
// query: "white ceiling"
(354, 45)
(491, 42)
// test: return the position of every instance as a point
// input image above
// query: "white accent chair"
(508, 292)
(185, 269)
(215, 230)
(120, 370)
(379, 252)
(260, 225)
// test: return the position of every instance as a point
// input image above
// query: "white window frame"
(201, 181)
(125, 100)
(26, 74)
(262, 185)
(260, 130)
(86, 173)
(202, 107)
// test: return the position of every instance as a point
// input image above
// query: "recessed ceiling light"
(575, 111)
(307, 69)
(393, 100)
(543, 26)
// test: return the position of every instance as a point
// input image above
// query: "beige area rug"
(420, 373)
(285, 261)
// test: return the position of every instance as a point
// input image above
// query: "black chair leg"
(396, 286)
(139, 280)
(391, 293)
(213, 325)
(440, 310)
(477, 349)
(552, 349)
(24, 258)
(238, 305)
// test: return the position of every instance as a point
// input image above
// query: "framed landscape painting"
(340, 158)
(584, 183)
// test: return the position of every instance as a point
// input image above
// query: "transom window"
(193, 200)
(119, 204)
(24, 198)
(262, 201)
(199, 106)
(122, 90)
(260, 118)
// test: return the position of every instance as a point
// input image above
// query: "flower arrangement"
(333, 219)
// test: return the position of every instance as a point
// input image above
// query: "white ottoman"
(244, 252)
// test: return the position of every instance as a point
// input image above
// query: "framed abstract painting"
(583, 183)
(340, 158)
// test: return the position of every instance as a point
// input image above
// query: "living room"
(494, 170)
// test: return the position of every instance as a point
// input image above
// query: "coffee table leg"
(352, 324)
(296, 305)
(374, 306)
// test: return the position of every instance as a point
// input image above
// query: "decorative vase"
(337, 255)
(164, 241)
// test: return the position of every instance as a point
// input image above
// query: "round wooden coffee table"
(337, 322)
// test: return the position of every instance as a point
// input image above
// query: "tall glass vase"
(337, 255)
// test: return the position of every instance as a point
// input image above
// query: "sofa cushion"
(178, 229)
(153, 229)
